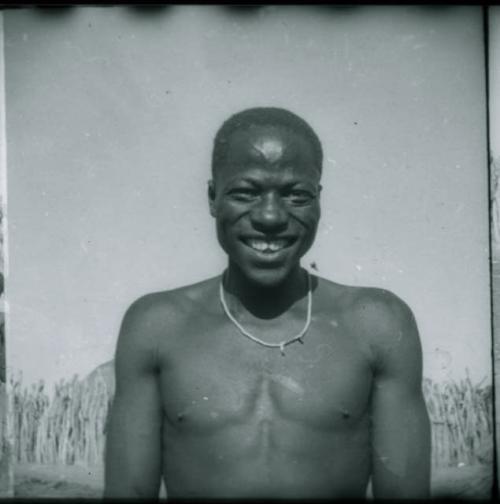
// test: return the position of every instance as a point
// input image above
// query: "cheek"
(308, 217)
(229, 213)
(227, 217)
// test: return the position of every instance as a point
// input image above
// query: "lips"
(268, 245)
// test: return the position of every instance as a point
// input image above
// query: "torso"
(242, 420)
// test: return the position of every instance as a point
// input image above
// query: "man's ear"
(211, 197)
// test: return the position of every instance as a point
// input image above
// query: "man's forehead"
(269, 149)
(269, 144)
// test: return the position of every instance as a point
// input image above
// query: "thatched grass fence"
(67, 428)
(462, 422)
(70, 426)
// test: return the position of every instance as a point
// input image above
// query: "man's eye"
(243, 194)
(299, 197)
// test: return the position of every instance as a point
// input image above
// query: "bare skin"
(217, 415)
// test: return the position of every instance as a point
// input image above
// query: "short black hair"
(263, 116)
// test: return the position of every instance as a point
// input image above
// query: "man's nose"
(269, 214)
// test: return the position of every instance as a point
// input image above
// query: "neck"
(265, 301)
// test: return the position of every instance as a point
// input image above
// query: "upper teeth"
(263, 245)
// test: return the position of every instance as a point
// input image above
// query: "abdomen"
(268, 459)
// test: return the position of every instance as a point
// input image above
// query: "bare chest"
(224, 379)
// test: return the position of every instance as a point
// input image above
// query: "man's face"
(265, 199)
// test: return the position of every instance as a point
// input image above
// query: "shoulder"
(370, 303)
(170, 306)
(162, 312)
(388, 324)
(378, 317)
(381, 309)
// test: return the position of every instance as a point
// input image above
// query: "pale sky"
(110, 118)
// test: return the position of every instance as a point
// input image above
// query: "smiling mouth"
(268, 246)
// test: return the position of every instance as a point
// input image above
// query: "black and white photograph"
(247, 251)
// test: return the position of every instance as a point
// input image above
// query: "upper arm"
(400, 424)
(133, 445)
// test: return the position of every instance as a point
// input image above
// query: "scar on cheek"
(269, 149)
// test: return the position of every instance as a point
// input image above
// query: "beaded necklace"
(284, 343)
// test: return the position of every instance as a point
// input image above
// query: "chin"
(267, 277)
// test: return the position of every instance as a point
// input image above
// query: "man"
(267, 381)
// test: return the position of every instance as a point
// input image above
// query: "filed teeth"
(267, 246)
(258, 245)
(276, 245)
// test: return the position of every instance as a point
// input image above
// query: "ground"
(49, 481)
(37, 480)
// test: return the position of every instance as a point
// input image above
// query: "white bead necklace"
(284, 343)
